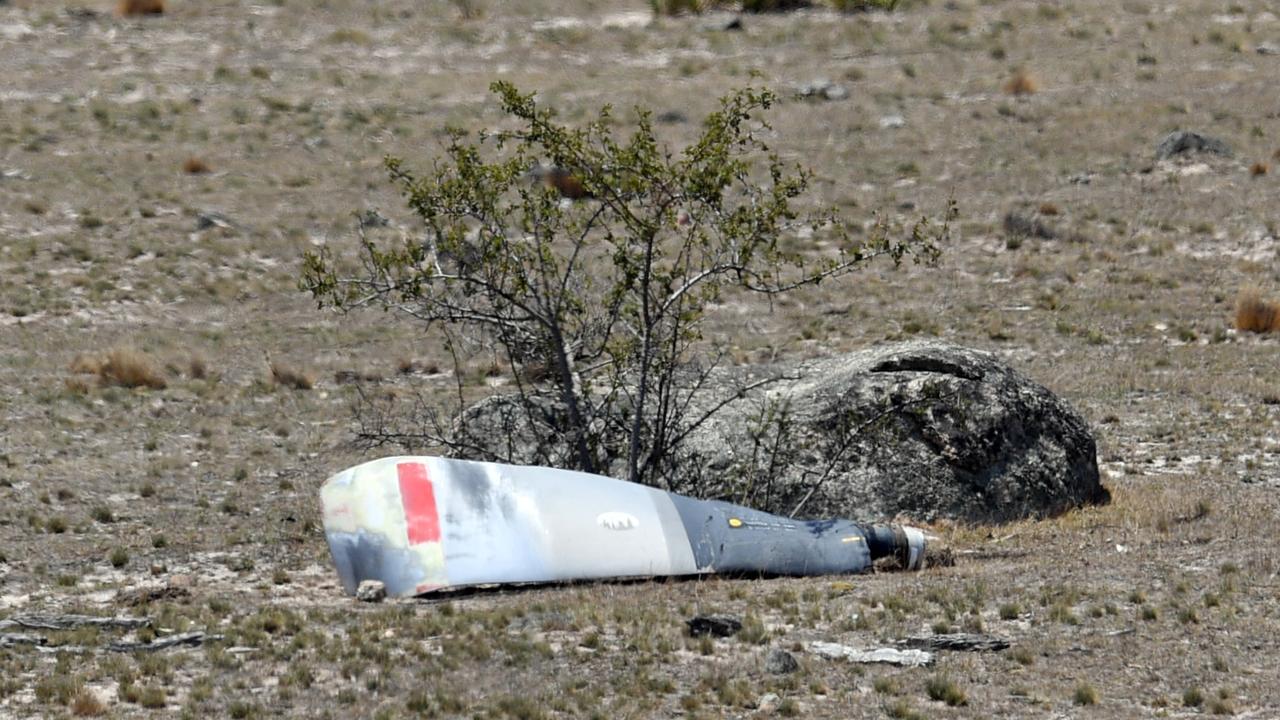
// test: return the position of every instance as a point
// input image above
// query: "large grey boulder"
(921, 430)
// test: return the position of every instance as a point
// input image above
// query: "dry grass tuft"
(1049, 208)
(86, 365)
(130, 368)
(290, 377)
(87, 704)
(1256, 313)
(1259, 168)
(679, 7)
(1022, 83)
(197, 367)
(140, 7)
(122, 366)
(195, 166)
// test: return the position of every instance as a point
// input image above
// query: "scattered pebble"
(780, 662)
(822, 89)
(893, 122)
(371, 591)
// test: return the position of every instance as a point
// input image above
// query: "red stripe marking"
(419, 500)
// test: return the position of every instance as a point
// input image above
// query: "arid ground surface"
(195, 504)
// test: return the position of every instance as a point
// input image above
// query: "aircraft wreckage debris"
(191, 639)
(423, 524)
(957, 641)
(717, 625)
(11, 639)
(71, 622)
(889, 656)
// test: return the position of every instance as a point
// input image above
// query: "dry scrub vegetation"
(123, 367)
(170, 473)
(1256, 313)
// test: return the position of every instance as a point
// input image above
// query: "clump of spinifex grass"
(195, 166)
(944, 689)
(292, 377)
(1256, 313)
(122, 367)
(1021, 83)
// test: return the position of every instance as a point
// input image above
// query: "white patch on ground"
(15, 31)
(13, 601)
(23, 320)
(633, 19)
(558, 23)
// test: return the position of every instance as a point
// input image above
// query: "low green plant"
(592, 278)
(1192, 697)
(677, 7)
(944, 689)
(1085, 694)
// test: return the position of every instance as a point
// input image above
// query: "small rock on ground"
(1186, 141)
(717, 625)
(768, 702)
(371, 591)
(780, 662)
(822, 89)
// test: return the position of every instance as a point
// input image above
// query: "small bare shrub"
(127, 367)
(944, 689)
(140, 7)
(678, 7)
(1085, 694)
(468, 9)
(197, 367)
(1256, 313)
(86, 365)
(195, 166)
(291, 377)
(1022, 83)
(86, 704)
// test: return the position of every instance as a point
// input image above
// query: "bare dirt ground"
(195, 504)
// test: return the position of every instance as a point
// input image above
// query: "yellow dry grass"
(87, 704)
(1256, 313)
(86, 365)
(1022, 83)
(195, 166)
(291, 377)
(131, 368)
(121, 366)
(197, 367)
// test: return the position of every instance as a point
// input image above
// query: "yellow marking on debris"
(735, 523)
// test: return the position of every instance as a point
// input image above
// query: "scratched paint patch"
(617, 521)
